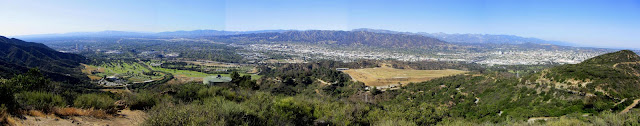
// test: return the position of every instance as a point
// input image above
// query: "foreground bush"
(39, 100)
(142, 100)
(7, 91)
(211, 111)
(606, 118)
(96, 101)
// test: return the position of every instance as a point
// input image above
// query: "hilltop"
(615, 75)
(17, 56)
(613, 58)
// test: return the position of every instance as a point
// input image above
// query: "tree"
(235, 76)
(375, 90)
(33, 80)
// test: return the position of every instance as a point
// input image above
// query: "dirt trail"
(635, 102)
(126, 118)
(323, 82)
(534, 119)
(616, 65)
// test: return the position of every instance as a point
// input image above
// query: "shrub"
(39, 100)
(220, 91)
(96, 101)
(290, 109)
(188, 92)
(141, 100)
(210, 111)
(169, 115)
(6, 95)
(394, 123)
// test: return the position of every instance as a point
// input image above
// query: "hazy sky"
(602, 23)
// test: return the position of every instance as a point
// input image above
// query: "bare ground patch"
(383, 76)
(85, 117)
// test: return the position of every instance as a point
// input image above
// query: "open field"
(88, 69)
(183, 76)
(211, 63)
(124, 118)
(131, 71)
(134, 72)
(383, 76)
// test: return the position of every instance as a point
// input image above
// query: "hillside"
(355, 38)
(17, 56)
(616, 75)
(613, 58)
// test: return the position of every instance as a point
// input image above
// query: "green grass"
(135, 71)
(132, 70)
(189, 73)
(182, 72)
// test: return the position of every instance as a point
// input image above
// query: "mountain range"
(475, 38)
(453, 38)
(350, 38)
(17, 56)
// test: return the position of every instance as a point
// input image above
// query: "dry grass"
(87, 70)
(99, 114)
(116, 91)
(69, 111)
(182, 79)
(9, 121)
(211, 64)
(36, 113)
(6, 119)
(94, 77)
(383, 76)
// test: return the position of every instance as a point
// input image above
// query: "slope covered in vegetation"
(16, 56)
(615, 75)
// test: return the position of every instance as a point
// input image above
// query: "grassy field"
(132, 71)
(88, 69)
(184, 76)
(212, 64)
(383, 76)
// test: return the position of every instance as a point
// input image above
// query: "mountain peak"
(614, 57)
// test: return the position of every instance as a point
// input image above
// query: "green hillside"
(17, 56)
(615, 75)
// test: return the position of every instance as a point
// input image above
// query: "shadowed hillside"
(17, 56)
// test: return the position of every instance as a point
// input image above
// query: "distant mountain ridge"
(452, 38)
(17, 56)
(340, 38)
(201, 33)
(120, 34)
(475, 38)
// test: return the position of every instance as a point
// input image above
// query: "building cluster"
(498, 57)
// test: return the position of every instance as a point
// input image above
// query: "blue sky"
(600, 23)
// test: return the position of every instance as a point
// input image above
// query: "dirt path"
(635, 102)
(616, 65)
(534, 119)
(323, 82)
(126, 118)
